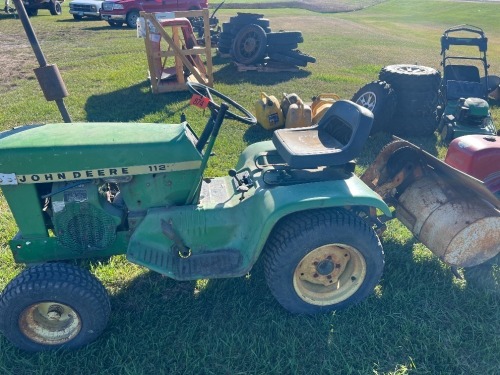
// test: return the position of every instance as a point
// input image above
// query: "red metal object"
(478, 156)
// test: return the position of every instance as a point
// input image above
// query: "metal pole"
(23, 16)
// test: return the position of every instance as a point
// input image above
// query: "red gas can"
(478, 156)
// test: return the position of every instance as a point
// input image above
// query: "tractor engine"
(86, 216)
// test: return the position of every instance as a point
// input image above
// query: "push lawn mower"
(463, 94)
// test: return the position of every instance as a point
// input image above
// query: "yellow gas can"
(321, 104)
(299, 115)
(268, 112)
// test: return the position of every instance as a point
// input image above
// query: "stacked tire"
(416, 89)
(282, 47)
(403, 100)
(233, 27)
(249, 40)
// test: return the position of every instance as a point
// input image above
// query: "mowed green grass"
(420, 319)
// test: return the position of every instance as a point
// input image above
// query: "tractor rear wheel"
(322, 260)
(52, 306)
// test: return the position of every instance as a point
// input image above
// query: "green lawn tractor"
(463, 94)
(92, 190)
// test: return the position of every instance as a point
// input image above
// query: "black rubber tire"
(306, 232)
(226, 36)
(380, 98)
(249, 45)
(411, 77)
(55, 8)
(417, 103)
(224, 45)
(31, 12)
(225, 41)
(227, 28)
(131, 19)
(224, 50)
(281, 47)
(296, 54)
(237, 24)
(413, 126)
(245, 17)
(284, 37)
(61, 285)
(281, 57)
(77, 17)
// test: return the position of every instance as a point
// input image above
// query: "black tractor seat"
(335, 140)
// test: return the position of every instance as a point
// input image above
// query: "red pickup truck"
(117, 12)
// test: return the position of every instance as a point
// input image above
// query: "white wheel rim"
(368, 100)
(50, 323)
(329, 274)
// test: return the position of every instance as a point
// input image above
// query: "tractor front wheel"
(322, 260)
(52, 306)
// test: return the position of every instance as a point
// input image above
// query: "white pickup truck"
(85, 8)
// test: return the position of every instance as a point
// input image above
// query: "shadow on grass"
(229, 75)
(132, 103)
(418, 314)
(235, 325)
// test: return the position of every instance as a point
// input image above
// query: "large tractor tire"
(52, 306)
(380, 98)
(322, 260)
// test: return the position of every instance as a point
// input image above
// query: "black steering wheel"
(203, 90)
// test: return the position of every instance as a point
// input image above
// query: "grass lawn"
(420, 320)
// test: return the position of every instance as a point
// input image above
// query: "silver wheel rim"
(329, 274)
(368, 100)
(50, 323)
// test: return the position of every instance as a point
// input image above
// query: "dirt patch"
(17, 61)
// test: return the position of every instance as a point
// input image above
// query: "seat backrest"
(337, 139)
(467, 73)
(464, 89)
(348, 123)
